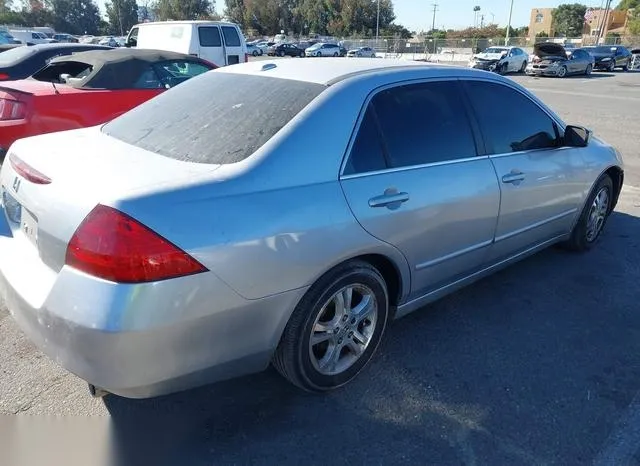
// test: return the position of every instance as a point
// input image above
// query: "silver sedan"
(196, 238)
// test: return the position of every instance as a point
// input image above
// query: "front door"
(540, 184)
(413, 180)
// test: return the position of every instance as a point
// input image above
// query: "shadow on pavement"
(530, 366)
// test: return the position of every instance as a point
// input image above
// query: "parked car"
(109, 41)
(610, 57)
(66, 38)
(89, 88)
(218, 42)
(29, 37)
(6, 38)
(366, 52)
(177, 245)
(22, 62)
(253, 49)
(551, 59)
(322, 49)
(500, 59)
(282, 50)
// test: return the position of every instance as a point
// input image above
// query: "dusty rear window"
(216, 118)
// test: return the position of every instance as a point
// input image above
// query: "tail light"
(27, 171)
(113, 246)
(12, 109)
(4, 76)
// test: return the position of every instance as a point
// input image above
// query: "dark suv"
(610, 57)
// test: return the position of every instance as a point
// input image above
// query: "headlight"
(606, 59)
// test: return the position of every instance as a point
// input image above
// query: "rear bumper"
(139, 341)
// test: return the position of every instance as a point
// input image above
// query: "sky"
(417, 15)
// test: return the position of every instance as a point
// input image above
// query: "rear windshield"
(215, 118)
(602, 49)
(13, 56)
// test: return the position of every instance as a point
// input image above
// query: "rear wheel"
(335, 54)
(627, 66)
(593, 217)
(281, 53)
(319, 54)
(335, 329)
(523, 67)
(612, 66)
(588, 70)
(255, 53)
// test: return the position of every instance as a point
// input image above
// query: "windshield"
(226, 127)
(13, 56)
(495, 50)
(315, 46)
(601, 49)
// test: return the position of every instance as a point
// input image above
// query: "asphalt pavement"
(538, 364)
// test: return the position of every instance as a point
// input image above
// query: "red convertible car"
(87, 89)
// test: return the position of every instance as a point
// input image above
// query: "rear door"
(413, 180)
(234, 45)
(540, 181)
(211, 47)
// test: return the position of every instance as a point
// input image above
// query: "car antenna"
(55, 88)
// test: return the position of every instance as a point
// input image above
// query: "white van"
(27, 36)
(220, 43)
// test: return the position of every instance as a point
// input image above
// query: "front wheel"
(562, 72)
(335, 54)
(627, 66)
(589, 70)
(255, 53)
(281, 53)
(612, 66)
(319, 54)
(593, 217)
(523, 67)
(335, 329)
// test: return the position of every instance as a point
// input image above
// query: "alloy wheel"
(597, 214)
(343, 329)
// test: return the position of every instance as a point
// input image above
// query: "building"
(541, 22)
(616, 22)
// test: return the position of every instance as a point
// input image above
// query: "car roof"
(64, 45)
(118, 68)
(326, 71)
(201, 22)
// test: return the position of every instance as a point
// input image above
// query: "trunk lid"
(85, 167)
(30, 86)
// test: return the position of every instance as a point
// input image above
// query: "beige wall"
(541, 21)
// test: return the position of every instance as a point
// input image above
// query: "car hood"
(548, 49)
(488, 56)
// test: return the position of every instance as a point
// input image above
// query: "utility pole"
(378, 24)
(506, 39)
(481, 21)
(433, 23)
(603, 22)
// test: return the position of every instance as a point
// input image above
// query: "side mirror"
(64, 77)
(576, 136)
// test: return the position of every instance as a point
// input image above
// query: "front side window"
(519, 124)
(149, 79)
(231, 37)
(424, 123)
(209, 36)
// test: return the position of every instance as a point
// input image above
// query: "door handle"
(391, 199)
(513, 177)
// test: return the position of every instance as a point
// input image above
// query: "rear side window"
(201, 121)
(231, 37)
(424, 123)
(367, 153)
(209, 36)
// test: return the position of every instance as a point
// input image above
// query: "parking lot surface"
(539, 364)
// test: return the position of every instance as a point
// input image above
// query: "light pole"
(506, 39)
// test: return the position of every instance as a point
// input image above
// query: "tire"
(612, 67)
(588, 70)
(312, 367)
(319, 54)
(281, 53)
(562, 73)
(503, 69)
(335, 54)
(255, 53)
(582, 237)
(301, 55)
(523, 67)
(627, 66)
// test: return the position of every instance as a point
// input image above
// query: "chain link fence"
(460, 49)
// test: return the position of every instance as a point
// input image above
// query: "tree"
(76, 16)
(568, 19)
(5, 6)
(628, 4)
(183, 9)
(122, 14)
